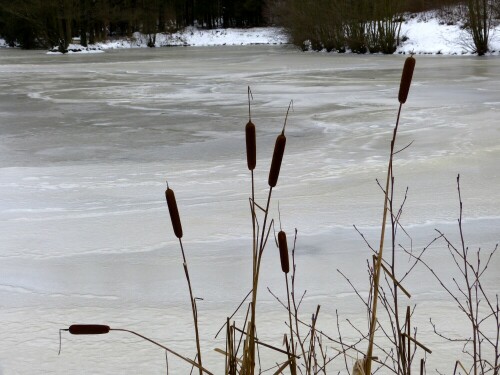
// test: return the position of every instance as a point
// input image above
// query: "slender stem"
(251, 350)
(261, 244)
(472, 315)
(254, 275)
(376, 279)
(191, 362)
(418, 343)
(293, 365)
(193, 307)
(401, 355)
(258, 257)
(260, 343)
(254, 251)
(408, 330)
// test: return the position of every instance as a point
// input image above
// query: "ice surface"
(88, 141)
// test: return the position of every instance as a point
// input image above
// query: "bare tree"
(480, 14)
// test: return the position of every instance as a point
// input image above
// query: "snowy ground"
(428, 34)
(424, 33)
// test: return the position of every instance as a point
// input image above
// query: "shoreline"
(422, 34)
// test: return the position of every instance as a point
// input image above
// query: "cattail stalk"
(406, 78)
(98, 329)
(177, 226)
(251, 148)
(408, 332)
(293, 364)
(249, 357)
(250, 138)
(285, 267)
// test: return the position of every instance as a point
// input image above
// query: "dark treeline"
(49, 23)
(335, 25)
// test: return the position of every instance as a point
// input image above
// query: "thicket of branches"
(49, 23)
(374, 25)
(358, 25)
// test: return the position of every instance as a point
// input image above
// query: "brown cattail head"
(88, 329)
(283, 246)
(406, 77)
(174, 212)
(279, 150)
(251, 145)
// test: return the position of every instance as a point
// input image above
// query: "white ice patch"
(23, 290)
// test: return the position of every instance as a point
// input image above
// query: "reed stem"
(257, 258)
(191, 362)
(376, 278)
(193, 307)
(292, 364)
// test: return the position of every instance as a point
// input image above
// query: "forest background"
(357, 25)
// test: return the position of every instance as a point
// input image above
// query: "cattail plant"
(285, 267)
(250, 138)
(177, 226)
(404, 88)
(100, 329)
(248, 364)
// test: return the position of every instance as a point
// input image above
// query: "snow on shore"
(423, 33)
(427, 34)
(192, 36)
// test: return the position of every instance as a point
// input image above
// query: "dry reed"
(405, 84)
(176, 224)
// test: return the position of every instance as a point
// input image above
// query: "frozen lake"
(87, 142)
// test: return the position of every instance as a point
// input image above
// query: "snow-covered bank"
(192, 36)
(426, 34)
(423, 33)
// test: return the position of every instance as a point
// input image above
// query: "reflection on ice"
(88, 141)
